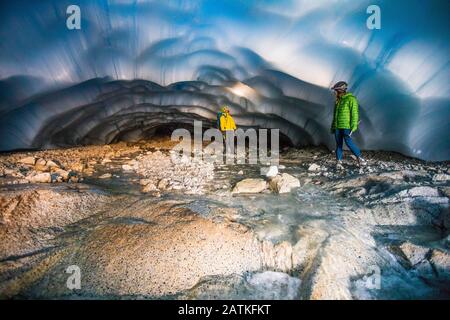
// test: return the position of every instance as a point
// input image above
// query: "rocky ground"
(140, 225)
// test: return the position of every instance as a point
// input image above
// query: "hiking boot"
(362, 161)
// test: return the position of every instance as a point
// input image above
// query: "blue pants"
(341, 135)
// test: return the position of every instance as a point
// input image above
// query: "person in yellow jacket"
(226, 121)
(226, 124)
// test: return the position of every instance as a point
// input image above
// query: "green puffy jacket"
(346, 115)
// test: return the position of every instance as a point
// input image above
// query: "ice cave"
(90, 92)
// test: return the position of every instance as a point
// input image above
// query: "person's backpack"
(219, 115)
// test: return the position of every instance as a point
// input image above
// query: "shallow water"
(279, 218)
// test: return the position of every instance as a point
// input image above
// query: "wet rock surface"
(141, 225)
(31, 217)
(151, 250)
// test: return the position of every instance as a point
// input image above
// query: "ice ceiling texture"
(137, 65)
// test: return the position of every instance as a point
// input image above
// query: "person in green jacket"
(345, 122)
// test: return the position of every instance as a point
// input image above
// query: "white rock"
(441, 177)
(250, 186)
(105, 176)
(314, 167)
(269, 172)
(284, 183)
(40, 178)
(28, 160)
(420, 192)
(127, 167)
(240, 172)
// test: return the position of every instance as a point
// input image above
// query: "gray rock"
(414, 253)
(314, 167)
(250, 186)
(269, 172)
(442, 177)
(420, 192)
(284, 183)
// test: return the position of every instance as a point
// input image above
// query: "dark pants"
(342, 135)
(228, 138)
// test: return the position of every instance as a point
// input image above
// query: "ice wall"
(135, 65)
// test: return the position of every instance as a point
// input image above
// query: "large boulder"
(284, 183)
(250, 186)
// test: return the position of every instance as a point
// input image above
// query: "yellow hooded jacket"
(227, 122)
